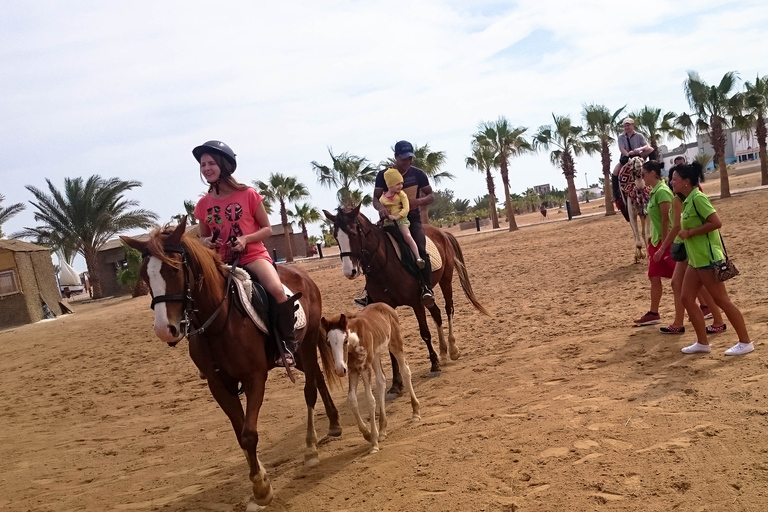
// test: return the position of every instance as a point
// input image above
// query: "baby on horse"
(396, 203)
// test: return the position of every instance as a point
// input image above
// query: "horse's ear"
(328, 215)
(133, 243)
(324, 324)
(175, 237)
(342, 322)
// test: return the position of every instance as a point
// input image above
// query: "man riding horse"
(417, 188)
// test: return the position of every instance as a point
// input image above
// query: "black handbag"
(724, 270)
(677, 251)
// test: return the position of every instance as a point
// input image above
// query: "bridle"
(187, 302)
(364, 256)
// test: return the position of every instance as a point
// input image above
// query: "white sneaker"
(740, 349)
(696, 348)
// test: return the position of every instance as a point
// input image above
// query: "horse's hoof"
(435, 373)
(455, 353)
(311, 461)
(373, 449)
(334, 431)
(367, 436)
(416, 417)
(393, 393)
(265, 500)
(253, 507)
(443, 357)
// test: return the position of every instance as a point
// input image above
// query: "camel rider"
(631, 144)
(416, 186)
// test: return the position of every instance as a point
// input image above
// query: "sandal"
(716, 329)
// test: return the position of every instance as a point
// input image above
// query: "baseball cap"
(404, 149)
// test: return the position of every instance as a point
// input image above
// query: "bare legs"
(695, 279)
(705, 299)
(409, 240)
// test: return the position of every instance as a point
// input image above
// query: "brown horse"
(365, 248)
(191, 297)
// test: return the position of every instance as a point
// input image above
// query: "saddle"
(638, 197)
(398, 242)
(253, 301)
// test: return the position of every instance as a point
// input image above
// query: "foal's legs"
(405, 371)
(381, 386)
(352, 399)
(366, 374)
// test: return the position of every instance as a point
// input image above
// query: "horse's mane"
(344, 219)
(207, 266)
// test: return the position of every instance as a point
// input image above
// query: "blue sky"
(127, 89)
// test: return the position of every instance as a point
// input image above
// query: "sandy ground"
(556, 403)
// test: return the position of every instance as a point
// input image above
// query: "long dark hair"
(226, 175)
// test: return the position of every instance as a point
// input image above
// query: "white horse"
(635, 194)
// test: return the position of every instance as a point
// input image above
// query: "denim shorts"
(711, 266)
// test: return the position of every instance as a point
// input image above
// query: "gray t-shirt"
(633, 142)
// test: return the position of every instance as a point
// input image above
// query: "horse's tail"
(461, 268)
(326, 359)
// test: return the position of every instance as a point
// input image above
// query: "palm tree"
(654, 125)
(482, 160)
(568, 142)
(505, 142)
(711, 105)
(85, 216)
(8, 212)
(752, 107)
(602, 126)
(283, 189)
(347, 170)
(305, 214)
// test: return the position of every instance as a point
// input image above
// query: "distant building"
(542, 190)
(688, 151)
(745, 145)
(740, 146)
(27, 283)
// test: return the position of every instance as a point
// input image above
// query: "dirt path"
(555, 404)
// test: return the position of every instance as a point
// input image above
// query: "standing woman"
(660, 262)
(233, 221)
(700, 233)
(673, 241)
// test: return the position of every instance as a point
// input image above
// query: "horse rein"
(363, 255)
(187, 302)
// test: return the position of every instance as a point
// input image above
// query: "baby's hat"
(392, 177)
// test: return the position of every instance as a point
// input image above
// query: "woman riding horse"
(234, 222)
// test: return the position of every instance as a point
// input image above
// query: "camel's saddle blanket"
(434, 255)
(244, 287)
(627, 184)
